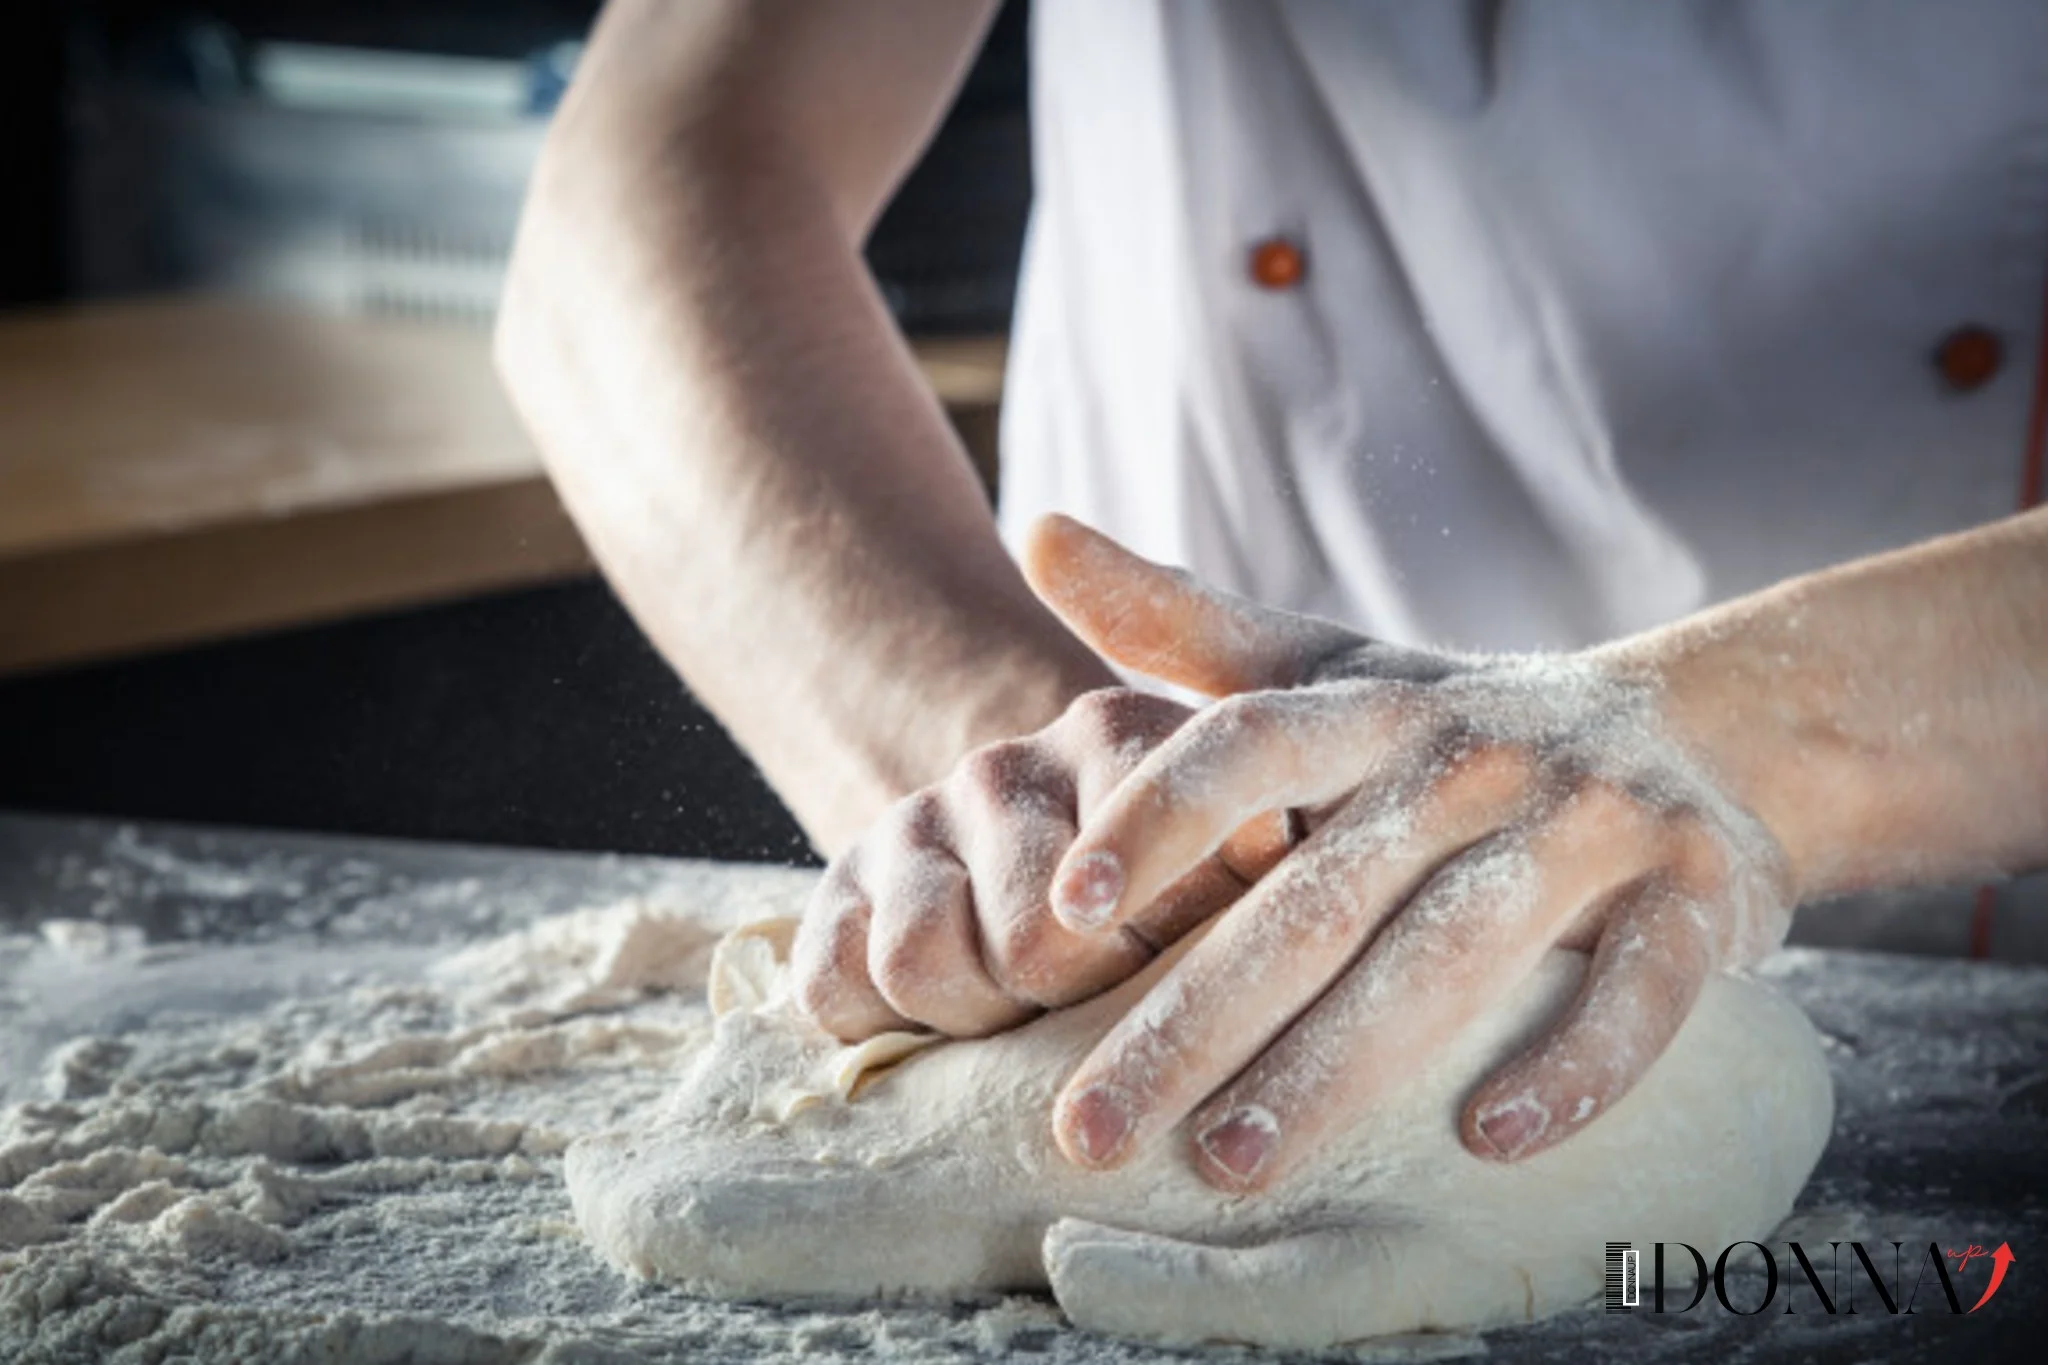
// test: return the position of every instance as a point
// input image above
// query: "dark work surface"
(199, 884)
(538, 718)
(1940, 1071)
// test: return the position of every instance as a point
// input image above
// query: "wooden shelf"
(185, 469)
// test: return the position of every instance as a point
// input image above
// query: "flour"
(168, 1164)
(418, 1253)
(349, 1149)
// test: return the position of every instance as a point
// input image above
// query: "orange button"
(1277, 263)
(1968, 357)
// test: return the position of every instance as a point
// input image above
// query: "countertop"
(1941, 1072)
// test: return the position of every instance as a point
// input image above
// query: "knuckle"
(906, 952)
(996, 767)
(1696, 855)
(918, 821)
(1595, 808)
(832, 934)
(1245, 719)
(1112, 717)
(1106, 735)
(837, 893)
(1485, 770)
(828, 966)
(1096, 714)
(914, 890)
(1026, 957)
(1607, 802)
(1011, 774)
(897, 968)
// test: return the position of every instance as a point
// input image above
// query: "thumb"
(1164, 623)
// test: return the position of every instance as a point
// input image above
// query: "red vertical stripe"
(1982, 913)
(2037, 418)
(1980, 921)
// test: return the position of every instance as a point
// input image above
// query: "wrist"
(1886, 719)
(894, 741)
(1736, 692)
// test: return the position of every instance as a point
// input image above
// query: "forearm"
(742, 434)
(1887, 719)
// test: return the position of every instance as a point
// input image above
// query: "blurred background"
(273, 551)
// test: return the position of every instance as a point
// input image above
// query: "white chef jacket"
(1610, 309)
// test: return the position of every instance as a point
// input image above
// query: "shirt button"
(1276, 263)
(1968, 357)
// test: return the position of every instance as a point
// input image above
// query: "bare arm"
(1886, 719)
(731, 415)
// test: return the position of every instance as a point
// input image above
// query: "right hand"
(940, 916)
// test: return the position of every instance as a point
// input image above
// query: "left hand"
(1465, 815)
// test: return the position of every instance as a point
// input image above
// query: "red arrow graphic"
(2000, 1259)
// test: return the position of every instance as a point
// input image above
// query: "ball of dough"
(774, 1175)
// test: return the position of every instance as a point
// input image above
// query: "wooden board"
(183, 469)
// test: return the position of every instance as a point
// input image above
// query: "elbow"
(558, 241)
(517, 331)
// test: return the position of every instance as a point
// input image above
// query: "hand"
(1466, 814)
(940, 916)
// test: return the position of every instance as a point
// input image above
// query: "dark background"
(537, 717)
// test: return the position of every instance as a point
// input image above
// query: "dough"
(791, 1167)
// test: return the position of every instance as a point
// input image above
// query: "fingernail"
(1243, 1141)
(1509, 1128)
(1100, 1120)
(1090, 891)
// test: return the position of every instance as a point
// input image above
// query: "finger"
(829, 959)
(1255, 847)
(1466, 938)
(1242, 758)
(1192, 901)
(1012, 804)
(1103, 737)
(1270, 955)
(924, 942)
(1164, 623)
(1215, 884)
(1647, 971)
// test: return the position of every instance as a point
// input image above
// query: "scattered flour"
(344, 1146)
(350, 1151)
(171, 1168)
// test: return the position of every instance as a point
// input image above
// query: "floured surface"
(421, 1215)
